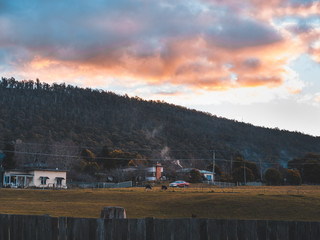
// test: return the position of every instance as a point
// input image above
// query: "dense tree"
(217, 169)
(38, 112)
(273, 176)
(293, 177)
(105, 160)
(253, 167)
(308, 166)
(311, 171)
(8, 161)
(195, 176)
(88, 162)
(87, 155)
(90, 167)
(239, 162)
(242, 174)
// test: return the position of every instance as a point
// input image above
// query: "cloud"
(241, 33)
(208, 45)
(302, 2)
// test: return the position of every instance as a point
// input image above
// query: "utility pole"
(213, 164)
(244, 173)
(231, 160)
(260, 170)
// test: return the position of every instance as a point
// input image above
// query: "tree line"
(55, 116)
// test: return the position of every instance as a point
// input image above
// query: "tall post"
(213, 165)
(260, 170)
(231, 160)
(244, 173)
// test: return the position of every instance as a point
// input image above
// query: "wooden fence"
(100, 184)
(22, 227)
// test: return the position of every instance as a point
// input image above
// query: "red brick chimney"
(159, 170)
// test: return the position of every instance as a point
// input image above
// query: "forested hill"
(37, 112)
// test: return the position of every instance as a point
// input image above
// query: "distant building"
(154, 173)
(181, 173)
(207, 174)
(40, 178)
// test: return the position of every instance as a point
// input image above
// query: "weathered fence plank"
(261, 230)
(62, 228)
(314, 230)
(181, 230)
(150, 229)
(230, 231)
(292, 230)
(4, 226)
(22, 227)
(164, 229)
(100, 229)
(198, 229)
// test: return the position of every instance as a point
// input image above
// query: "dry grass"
(279, 203)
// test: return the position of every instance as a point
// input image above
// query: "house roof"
(186, 170)
(36, 169)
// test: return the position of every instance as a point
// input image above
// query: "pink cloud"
(215, 45)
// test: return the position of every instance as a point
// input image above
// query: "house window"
(43, 180)
(6, 179)
(59, 181)
(13, 180)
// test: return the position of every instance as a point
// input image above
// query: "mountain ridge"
(33, 111)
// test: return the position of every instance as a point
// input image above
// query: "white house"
(208, 175)
(47, 178)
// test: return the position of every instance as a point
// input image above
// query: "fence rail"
(100, 184)
(25, 227)
(221, 184)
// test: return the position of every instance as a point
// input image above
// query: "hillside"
(36, 112)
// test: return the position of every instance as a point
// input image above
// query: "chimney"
(159, 170)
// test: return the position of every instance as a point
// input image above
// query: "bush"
(273, 176)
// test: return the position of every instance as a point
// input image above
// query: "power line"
(147, 159)
(222, 152)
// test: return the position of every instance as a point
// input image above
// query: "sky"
(252, 61)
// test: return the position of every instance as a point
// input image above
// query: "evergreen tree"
(8, 161)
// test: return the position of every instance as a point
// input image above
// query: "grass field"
(277, 203)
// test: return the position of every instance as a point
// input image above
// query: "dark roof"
(37, 169)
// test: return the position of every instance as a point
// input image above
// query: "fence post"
(113, 212)
(150, 228)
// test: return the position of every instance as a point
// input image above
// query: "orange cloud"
(192, 62)
(211, 50)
